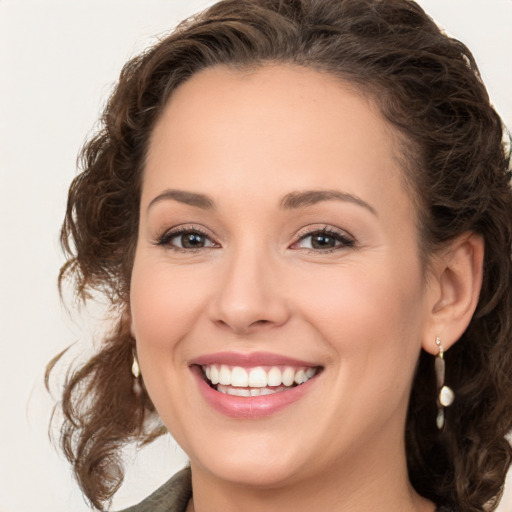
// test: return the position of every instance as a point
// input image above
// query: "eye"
(324, 240)
(186, 239)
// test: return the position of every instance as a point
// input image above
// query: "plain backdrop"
(58, 63)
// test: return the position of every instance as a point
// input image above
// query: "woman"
(301, 212)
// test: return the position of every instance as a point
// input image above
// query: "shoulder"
(173, 496)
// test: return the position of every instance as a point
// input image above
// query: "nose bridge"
(248, 294)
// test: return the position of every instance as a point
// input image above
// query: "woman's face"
(277, 243)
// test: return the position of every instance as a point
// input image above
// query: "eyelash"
(168, 236)
(342, 239)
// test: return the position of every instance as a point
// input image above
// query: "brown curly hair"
(428, 87)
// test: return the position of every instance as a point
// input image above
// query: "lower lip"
(249, 407)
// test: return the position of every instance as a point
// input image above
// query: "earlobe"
(458, 280)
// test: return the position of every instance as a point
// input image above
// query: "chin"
(256, 459)
(250, 472)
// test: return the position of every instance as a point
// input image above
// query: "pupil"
(322, 241)
(192, 241)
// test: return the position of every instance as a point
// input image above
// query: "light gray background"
(58, 61)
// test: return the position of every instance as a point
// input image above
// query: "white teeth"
(240, 392)
(300, 377)
(224, 375)
(214, 374)
(274, 377)
(270, 391)
(257, 378)
(288, 376)
(239, 377)
(231, 390)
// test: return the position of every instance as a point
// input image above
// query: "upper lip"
(249, 360)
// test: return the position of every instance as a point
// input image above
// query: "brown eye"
(191, 240)
(186, 239)
(325, 240)
(321, 241)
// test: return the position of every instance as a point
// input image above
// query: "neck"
(372, 478)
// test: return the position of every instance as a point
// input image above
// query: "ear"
(454, 288)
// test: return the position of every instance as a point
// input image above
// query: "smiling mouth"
(256, 381)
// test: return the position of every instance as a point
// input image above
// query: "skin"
(362, 310)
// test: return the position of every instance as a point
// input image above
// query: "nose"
(249, 295)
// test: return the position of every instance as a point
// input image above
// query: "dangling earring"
(135, 367)
(445, 394)
(136, 374)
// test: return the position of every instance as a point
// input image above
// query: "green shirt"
(175, 494)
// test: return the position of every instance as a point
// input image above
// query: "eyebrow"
(311, 197)
(182, 196)
(291, 201)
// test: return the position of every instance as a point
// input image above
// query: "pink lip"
(255, 406)
(250, 360)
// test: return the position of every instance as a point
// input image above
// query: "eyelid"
(341, 235)
(322, 228)
(344, 238)
(167, 235)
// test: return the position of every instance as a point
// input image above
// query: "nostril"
(260, 322)
(243, 327)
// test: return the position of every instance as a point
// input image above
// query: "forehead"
(226, 128)
(295, 101)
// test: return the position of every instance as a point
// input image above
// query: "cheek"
(372, 323)
(371, 316)
(165, 305)
(164, 302)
